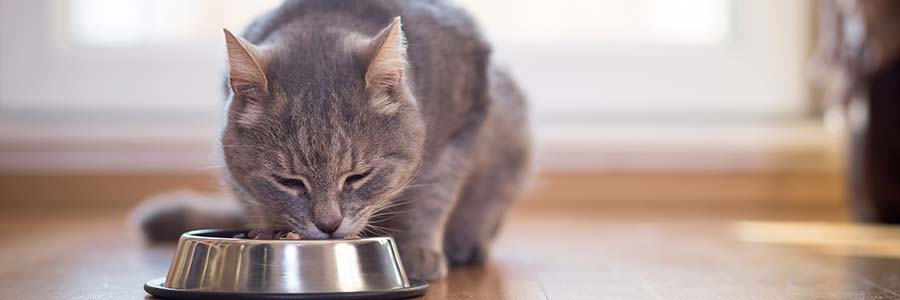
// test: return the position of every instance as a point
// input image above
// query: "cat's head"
(322, 129)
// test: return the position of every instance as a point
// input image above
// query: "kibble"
(278, 234)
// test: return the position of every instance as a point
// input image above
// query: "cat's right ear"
(245, 62)
(387, 67)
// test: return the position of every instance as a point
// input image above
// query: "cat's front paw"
(466, 252)
(424, 263)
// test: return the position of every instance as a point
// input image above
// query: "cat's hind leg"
(500, 172)
(479, 214)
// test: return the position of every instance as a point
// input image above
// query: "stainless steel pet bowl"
(209, 264)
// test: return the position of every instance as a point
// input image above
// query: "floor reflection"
(829, 237)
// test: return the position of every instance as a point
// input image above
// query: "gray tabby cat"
(342, 119)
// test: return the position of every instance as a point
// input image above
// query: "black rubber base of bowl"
(155, 287)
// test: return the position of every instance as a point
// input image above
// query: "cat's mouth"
(347, 229)
(279, 234)
(350, 226)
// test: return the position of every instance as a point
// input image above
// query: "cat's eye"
(352, 180)
(291, 183)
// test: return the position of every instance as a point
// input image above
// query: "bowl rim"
(203, 234)
(156, 287)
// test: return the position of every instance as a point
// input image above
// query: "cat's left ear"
(387, 64)
(245, 62)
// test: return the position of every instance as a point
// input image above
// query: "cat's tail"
(163, 218)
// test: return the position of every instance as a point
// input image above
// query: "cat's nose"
(328, 226)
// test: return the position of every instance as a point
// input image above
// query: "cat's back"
(420, 17)
(432, 27)
(448, 55)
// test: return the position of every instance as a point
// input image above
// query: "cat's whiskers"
(270, 219)
(379, 213)
(257, 203)
(411, 186)
(394, 204)
(392, 197)
(262, 216)
(293, 222)
(388, 210)
(377, 230)
(366, 230)
(381, 218)
(367, 226)
(377, 216)
(388, 213)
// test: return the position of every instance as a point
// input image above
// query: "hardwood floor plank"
(473, 283)
(592, 253)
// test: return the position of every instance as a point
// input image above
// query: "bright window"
(530, 22)
(655, 61)
(580, 61)
(134, 23)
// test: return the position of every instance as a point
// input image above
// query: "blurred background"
(671, 105)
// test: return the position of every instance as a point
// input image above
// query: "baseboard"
(550, 187)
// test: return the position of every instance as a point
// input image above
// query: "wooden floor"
(588, 253)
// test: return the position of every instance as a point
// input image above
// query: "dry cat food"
(268, 234)
(275, 234)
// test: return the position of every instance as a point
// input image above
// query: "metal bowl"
(211, 264)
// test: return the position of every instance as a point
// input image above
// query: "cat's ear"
(387, 52)
(245, 62)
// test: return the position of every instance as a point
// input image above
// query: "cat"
(381, 116)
